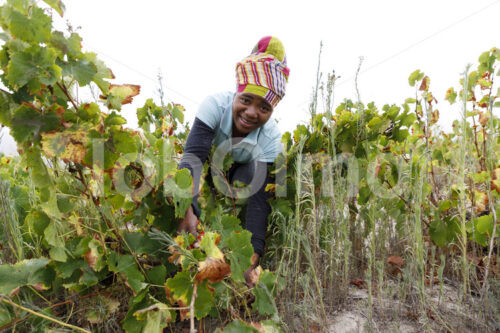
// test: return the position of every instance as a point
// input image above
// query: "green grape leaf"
(103, 72)
(300, 132)
(414, 77)
(5, 108)
(28, 123)
(238, 326)
(444, 231)
(66, 269)
(179, 187)
(58, 254)
(141, 243)
(50, 206)
(157, 275)
(181, 288)
(241, 253)
(82, 70)
(33, 28)
(51, 235)
(485, 224)
(264, 293)
(125, 265)
(57, 5)
(114, 119)
(183, 179)
(37, 221)
(124, 142)
(282, 206)
(204, 300)
(88, 278)
(178, 113)
(157, 320)
(25, 272)
(34, 66)
(71, 45)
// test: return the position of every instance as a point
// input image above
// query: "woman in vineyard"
(238, 123)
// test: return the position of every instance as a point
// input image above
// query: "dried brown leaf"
(213, 270)
(395, 260)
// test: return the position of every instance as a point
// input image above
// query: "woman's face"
(250, 111)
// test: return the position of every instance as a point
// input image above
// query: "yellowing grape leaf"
(68, 146)
(121, 94)
(481, 200)
(483, 118)
(209, 243)
(495, 183)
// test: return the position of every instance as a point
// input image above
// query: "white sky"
(197, 43)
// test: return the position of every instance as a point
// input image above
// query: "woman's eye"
(245, 100)
(265, 108)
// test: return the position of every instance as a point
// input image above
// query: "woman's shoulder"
(213, 107)
(270, 131)
(220, 99)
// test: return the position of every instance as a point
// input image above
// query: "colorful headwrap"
(264, 72)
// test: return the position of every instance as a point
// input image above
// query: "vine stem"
(76, 328)
(65, 91)
(191, 309)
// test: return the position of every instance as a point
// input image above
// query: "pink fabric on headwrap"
(264, 72)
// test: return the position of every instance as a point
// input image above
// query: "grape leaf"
(37, 221)
(181, 288)
(25, 272)
(177, 113)
(121, 94)
(58, 6)
(33, 66)
(82, 70)
(51, 235)
(33, 28)
(238, 326)
(204, 300)
(88, 278)
(485, 224)
(264, 293)
(157, 320)
(28, 123)
(66, 269)
(212, 269)
(157, 275)
(241, 253)
(125, 265)
(103, 72)
(71, 45)
(414, 77)
(114, 120)
(58, 253)
(68, 146)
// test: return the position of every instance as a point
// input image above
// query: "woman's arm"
(258, 211)
(196, 151)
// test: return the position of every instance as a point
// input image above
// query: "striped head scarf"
(264, 72)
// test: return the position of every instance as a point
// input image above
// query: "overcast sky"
(196, 44)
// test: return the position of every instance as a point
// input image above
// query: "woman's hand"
(189, 223)
(251, 275)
